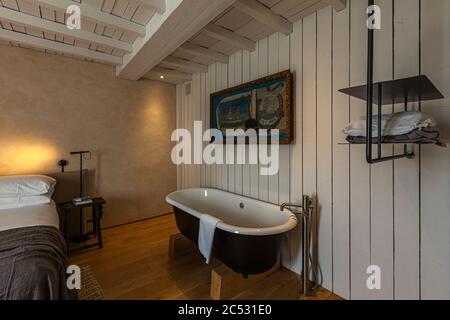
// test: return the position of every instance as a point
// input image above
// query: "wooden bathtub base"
(179, 246)
(225, 283)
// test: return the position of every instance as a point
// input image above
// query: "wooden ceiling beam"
(230, 37)
(339, 5)
(264, 15)
(204, 52)
(95, 15)
(158, 5)
(27, 20)
(45, 44)
(185, 64)
(182, 20)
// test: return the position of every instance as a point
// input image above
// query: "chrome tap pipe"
(305, 261)
(306, 219)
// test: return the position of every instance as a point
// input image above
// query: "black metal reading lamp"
(82, 157)
(81, 154)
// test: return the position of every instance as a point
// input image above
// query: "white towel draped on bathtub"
(206, 232)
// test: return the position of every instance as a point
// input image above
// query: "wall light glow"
(24, 157)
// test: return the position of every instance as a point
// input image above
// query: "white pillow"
(26, 201)
(34, 185)
(394, 124)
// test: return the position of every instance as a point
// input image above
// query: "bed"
(39, 215)
(33, 257)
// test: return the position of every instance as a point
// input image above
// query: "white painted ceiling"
(112, 27)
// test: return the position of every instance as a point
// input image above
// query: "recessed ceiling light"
(161, 77)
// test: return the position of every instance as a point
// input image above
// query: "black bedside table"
(97, 212)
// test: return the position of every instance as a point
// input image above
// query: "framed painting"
(265, 103)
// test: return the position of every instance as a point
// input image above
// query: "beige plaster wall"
(51, 105)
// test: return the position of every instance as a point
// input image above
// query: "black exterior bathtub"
(246, 254)
(242, 253)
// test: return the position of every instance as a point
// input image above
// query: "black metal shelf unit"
(407, 90)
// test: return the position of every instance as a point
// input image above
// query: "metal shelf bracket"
(369, 156)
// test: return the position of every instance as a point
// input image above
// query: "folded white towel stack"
(206, 232)
(394, 124)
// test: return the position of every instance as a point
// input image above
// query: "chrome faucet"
(287, 204)
(306, 206)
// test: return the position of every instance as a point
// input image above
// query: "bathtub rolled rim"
(290, 224)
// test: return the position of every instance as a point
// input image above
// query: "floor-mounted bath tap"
(306, 217)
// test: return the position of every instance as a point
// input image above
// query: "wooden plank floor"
(134, 264)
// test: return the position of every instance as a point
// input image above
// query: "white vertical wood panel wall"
(395, 214)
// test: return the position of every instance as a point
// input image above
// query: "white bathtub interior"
(226, 206)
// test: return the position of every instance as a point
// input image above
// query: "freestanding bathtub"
(250, 237)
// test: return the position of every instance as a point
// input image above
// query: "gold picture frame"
(267, 103)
